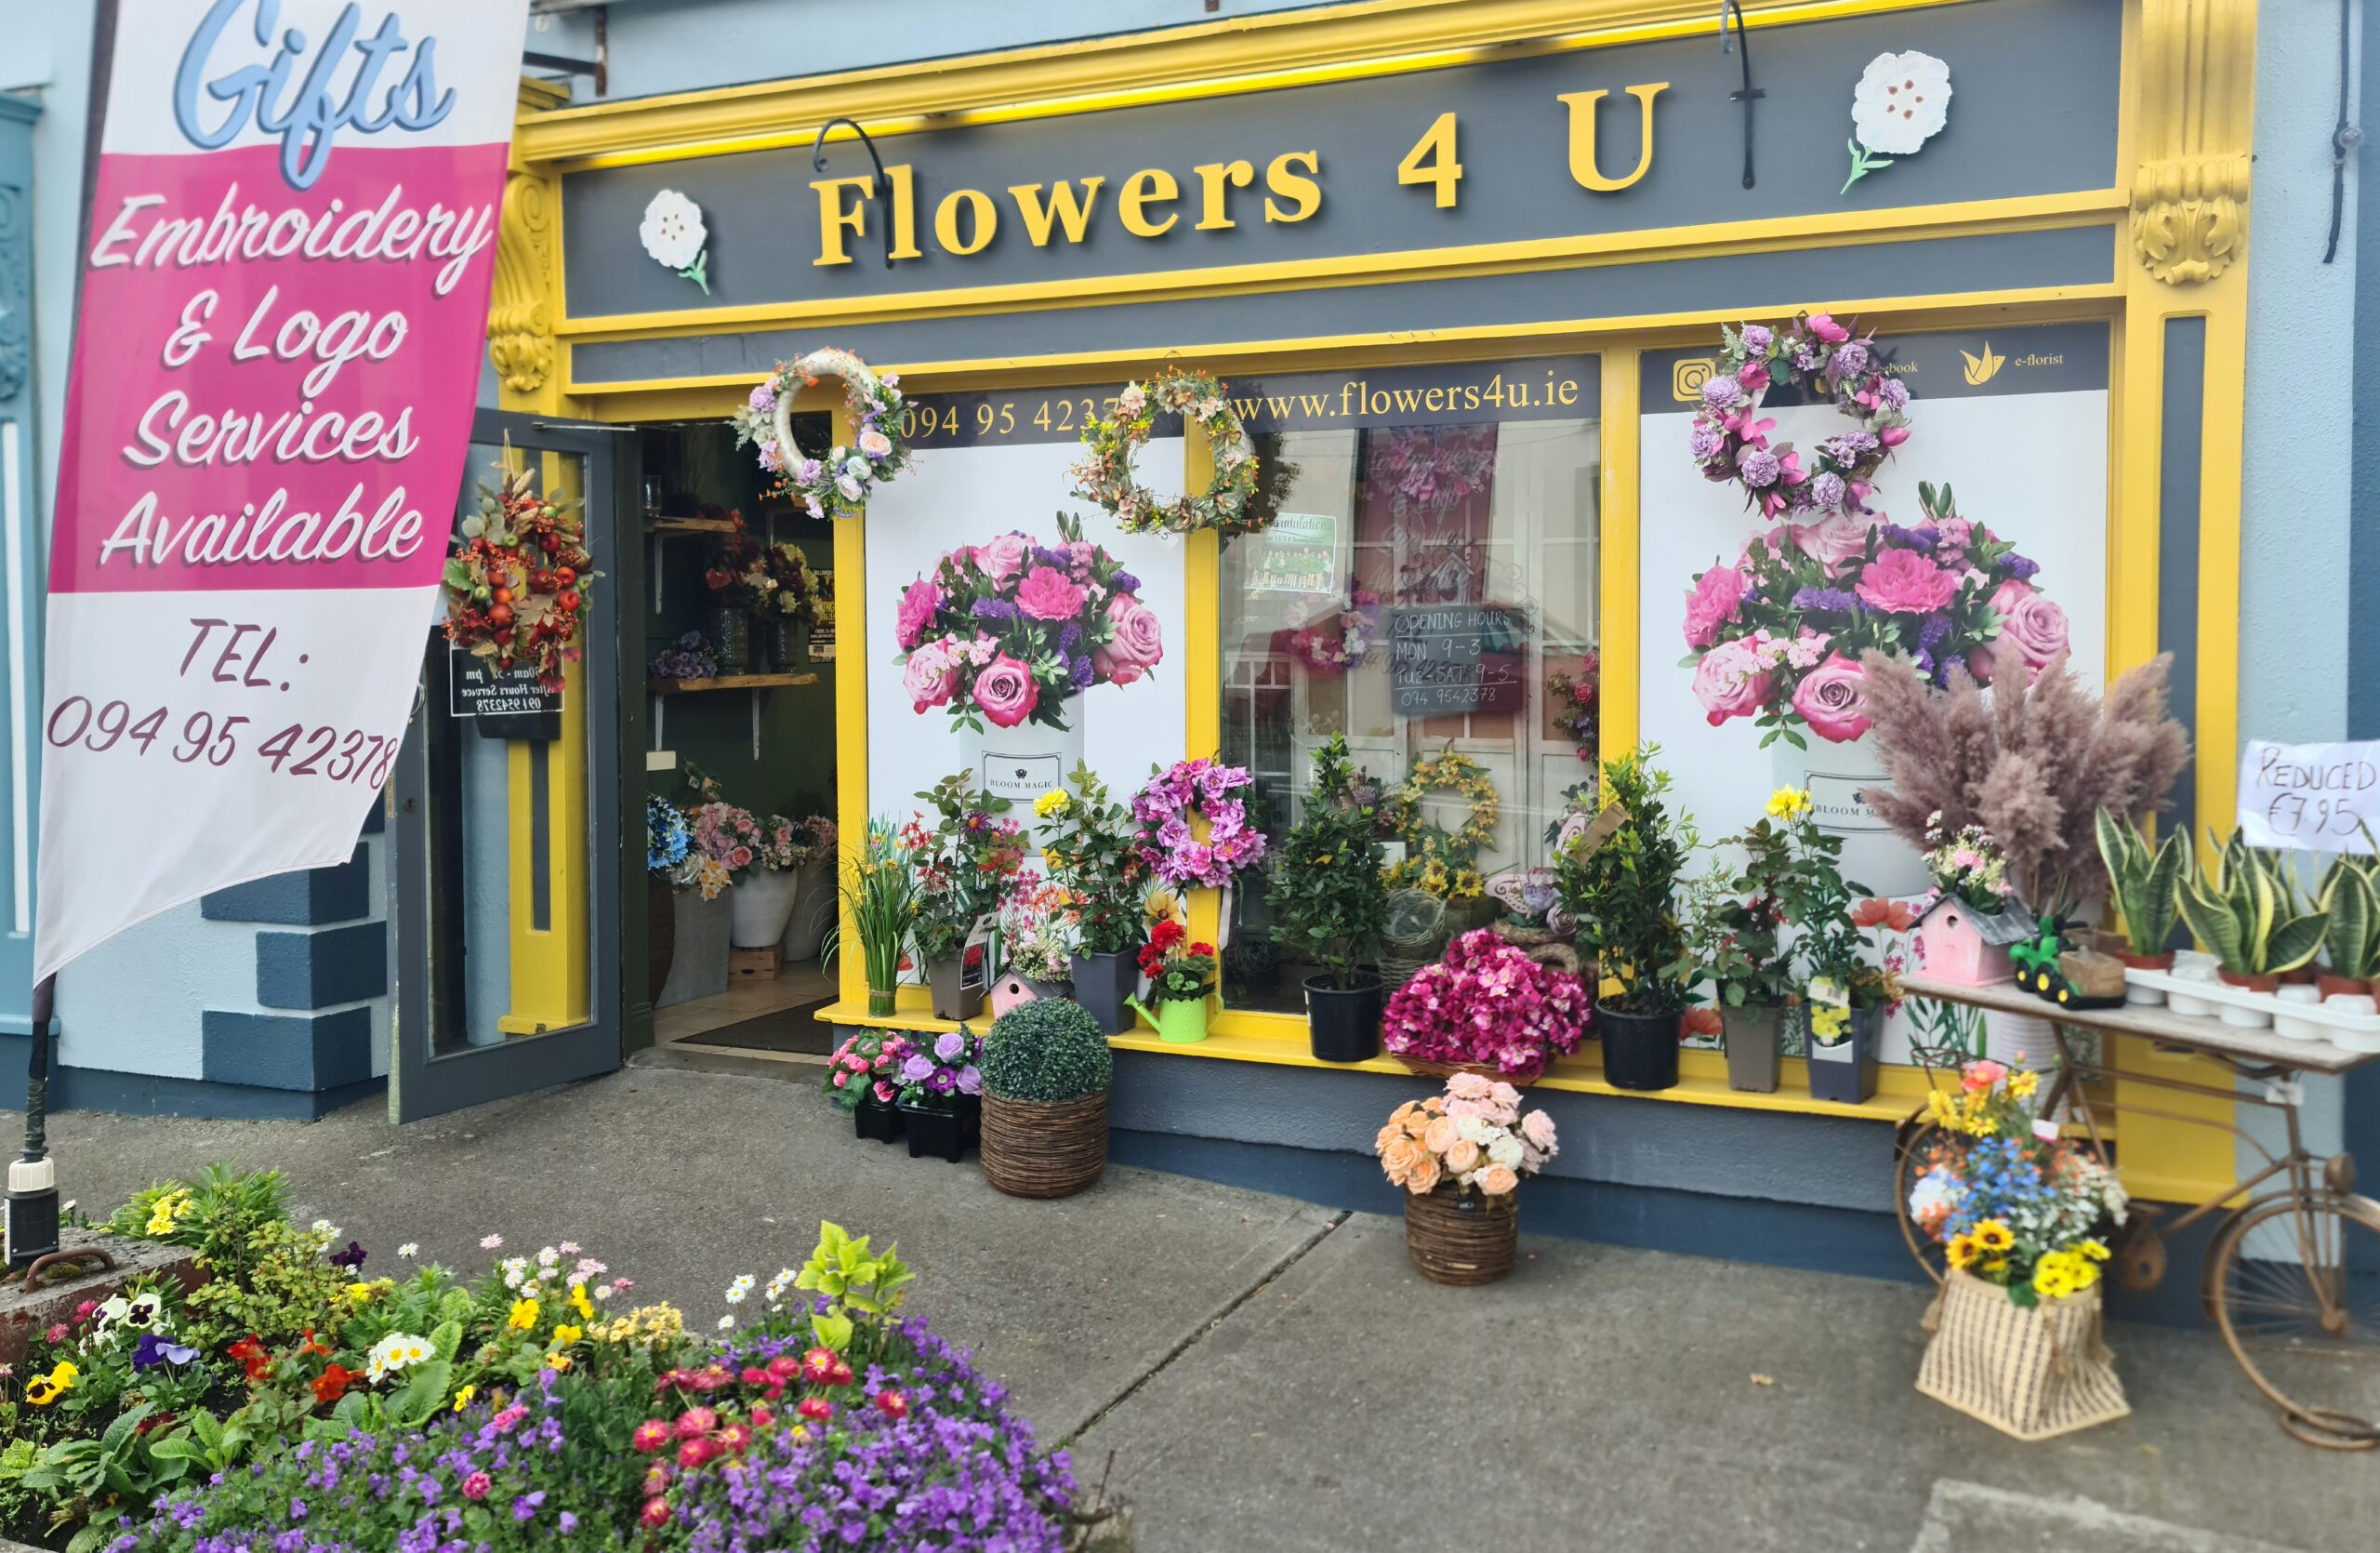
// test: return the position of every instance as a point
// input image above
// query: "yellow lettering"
(1147, 187)
(1278, 179)
(834, 219)
(985, 219)
(1584, 108)
(1436, 401)
(1063, 209)
(1215, 181)
(1431, 161)
(904, 179)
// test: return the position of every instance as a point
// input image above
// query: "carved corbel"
(2189, 193)
(521, 314)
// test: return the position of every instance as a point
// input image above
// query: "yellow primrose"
(463, 1396)
(580, 1303)
(565, 1335)
(557, 1361)
(524, 1315)
(1051, 802)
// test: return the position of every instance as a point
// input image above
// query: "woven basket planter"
(1044, 1148)
(2031, 1371)
(1461, 1237)
(1428, 1069)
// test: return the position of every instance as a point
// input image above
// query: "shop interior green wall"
(795, 774)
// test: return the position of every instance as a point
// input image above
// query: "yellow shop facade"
(1464, 268)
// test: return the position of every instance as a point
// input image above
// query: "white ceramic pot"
(1023, 762)
(1833, 774)
(763, 900)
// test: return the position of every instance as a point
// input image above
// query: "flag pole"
(32, 1179)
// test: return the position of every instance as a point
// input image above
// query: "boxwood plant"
(1047, 1051)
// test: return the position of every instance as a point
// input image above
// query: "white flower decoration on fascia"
(1902, 101)
(674, 234)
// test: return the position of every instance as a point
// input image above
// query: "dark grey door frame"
(423, 1080)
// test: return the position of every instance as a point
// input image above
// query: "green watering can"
(1181, 1020)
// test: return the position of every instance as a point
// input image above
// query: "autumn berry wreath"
(1730, 440)
(1442, 862)
(839, 485)
(1105, 476)
(518, 580)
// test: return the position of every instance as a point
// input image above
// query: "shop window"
(1429, 589)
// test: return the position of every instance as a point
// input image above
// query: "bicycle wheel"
(2294, 1285)
(1910, 1150)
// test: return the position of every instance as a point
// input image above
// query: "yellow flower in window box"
(523, 1317)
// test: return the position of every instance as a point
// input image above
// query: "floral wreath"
(518, 580)
(1104, 477)
(1730, 441)
(1436, 860)
(1167, 843)
(839, 485)
(1341, 636)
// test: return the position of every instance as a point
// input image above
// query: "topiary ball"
(1046, 1051)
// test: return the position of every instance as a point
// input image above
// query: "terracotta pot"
(2331, 987)
(2302, 976)
(2146, 962)
(2248, 983)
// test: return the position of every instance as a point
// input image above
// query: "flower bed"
(289, 1401)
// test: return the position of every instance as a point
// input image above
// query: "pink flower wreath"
(1167, 843)
(1730, 440)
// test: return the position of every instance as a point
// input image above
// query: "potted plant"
(880, 891)
(1090, 848)
(1486, 1008)
(1964, 931)
(791, 605)
(2235, 905)
(856, 1081)
(1624, 894)
(2021, 1215)
(2351, 921)
(937, 1083)
(1046, 1071)
(1844, 992)
(1329, 908)
(1735, 926)
(738, 576)
(1037, 928)
(1460, 1157)
(2146, 889)
(961, 864)
(1181, 973)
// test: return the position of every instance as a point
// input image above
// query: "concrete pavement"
(1271, 1375)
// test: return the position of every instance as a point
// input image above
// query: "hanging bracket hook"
(878, 199)
(1749, 94)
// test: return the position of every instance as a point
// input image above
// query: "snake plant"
(2239, 906)
(2146, 884)
(2351, 910)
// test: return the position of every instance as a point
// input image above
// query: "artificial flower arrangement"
(1441, 862)
(839, 485)
(1778, 636)
(794, 587)
(1007, 630)
(738, 572)
(1576, 696)
(736, 840)
(690, 657)
(530, 1400)
(1729, 440)
(962, 862)
(936, 1072)
(1092, 852)
(1341, 637)
(1038, 929)
(1169, 845)
(1966, 866)
(1179, 968)
(850, 1075)
(2010, 1200)
(1486, 1005)
(879, 903)
(1105, 476)
(669, 843)
(517, 580)
(1473, 1138)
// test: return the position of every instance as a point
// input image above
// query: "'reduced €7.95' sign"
(284, 279)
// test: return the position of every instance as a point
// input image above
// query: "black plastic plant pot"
(1343, 1022)
(1639, 1049)
(1101, 983)
(939, 1133)
(1846, 1070)
(873, 1118)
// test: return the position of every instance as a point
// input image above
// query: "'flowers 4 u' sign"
(284, 285)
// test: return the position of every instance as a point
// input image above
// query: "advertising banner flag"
(283, 287)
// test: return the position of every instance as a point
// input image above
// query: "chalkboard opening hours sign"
(1456, 658)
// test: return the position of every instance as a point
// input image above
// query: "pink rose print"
(1007, 692)
(1832, 699)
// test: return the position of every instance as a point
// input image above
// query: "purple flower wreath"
(1730, 441)
(1166, 844)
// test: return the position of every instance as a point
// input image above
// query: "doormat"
(794, 1029)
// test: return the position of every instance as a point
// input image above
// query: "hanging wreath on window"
(839, 485)
(1105, 476)
(1730, 440)
(517, 580)
(1444, 862)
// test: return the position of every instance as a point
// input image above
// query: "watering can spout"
(1142, 1009)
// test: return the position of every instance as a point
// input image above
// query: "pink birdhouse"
(1010, 991)
(1952, 946)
